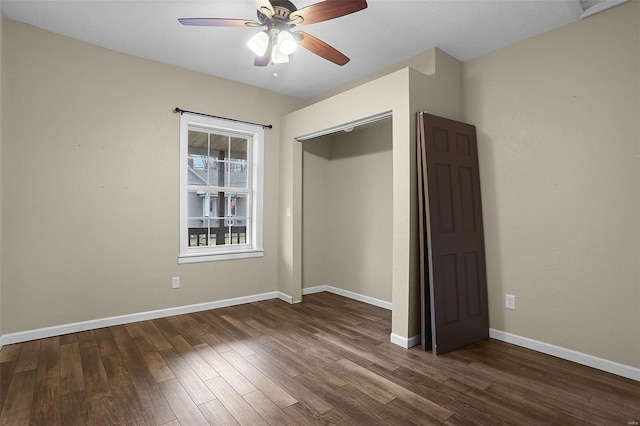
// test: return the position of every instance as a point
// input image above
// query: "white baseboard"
(350, 294)
(312, 290)
(412, 341)
(560, 352)
(568, 354)
(75, 327)
(285, 297)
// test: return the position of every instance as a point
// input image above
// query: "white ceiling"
(388, 31)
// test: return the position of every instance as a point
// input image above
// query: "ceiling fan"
(277, 41)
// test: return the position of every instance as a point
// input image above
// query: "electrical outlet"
(510, 301)
(175, 282)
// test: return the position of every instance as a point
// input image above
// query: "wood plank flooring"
(325, 361)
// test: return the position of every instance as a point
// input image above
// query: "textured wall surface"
(347, 211)
(558, 136)
(90, 182)
(315, 209)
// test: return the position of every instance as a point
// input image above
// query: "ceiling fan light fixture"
(277, 42)
(258, 43)
(286, 43)
(277, 57)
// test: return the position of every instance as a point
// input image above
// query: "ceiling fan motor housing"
(282, 11)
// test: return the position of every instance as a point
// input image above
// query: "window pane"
(197, 235)
(216, 172)
(201, 204)
(213, 233)
(197, 159)
(236, 218)
(238, 174)
(219, 146)
(236, 205)
(239, 149)
(238, 163)
(194, 204)
(202, 212)
(235, 235)
(217, 231)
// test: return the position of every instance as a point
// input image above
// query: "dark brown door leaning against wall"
(452, 258)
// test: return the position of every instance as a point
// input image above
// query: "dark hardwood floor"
(325, 361)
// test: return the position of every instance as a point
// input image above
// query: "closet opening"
(347, 211)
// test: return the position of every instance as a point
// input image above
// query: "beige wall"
(1, 23)
(90, 182)
(315, 210)
(347, 210)
(440, 94)
(424, 62)
(558, 136)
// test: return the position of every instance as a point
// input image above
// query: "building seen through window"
(218, 191)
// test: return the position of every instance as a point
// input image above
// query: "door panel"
(449, 289)
(452, 259)
(444, 198)
(474, 303)
(467, 202)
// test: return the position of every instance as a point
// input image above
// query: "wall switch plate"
(510, 301)
(175, 282)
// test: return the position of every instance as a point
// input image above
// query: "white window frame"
(255, 160)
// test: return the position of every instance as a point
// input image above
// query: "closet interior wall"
(347, 211)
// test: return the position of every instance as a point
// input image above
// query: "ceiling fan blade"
(219, 22)
(263, 61)
(320, 48)
(265, 7)
(326, 10)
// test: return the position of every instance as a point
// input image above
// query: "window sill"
(214, 257)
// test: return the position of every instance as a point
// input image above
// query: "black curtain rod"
(264, 126)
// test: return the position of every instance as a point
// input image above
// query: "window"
(221, 173)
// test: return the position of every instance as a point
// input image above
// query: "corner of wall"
(423, 62)
(449, 79)
(444, 61)
(439, 94)
(442, 92)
